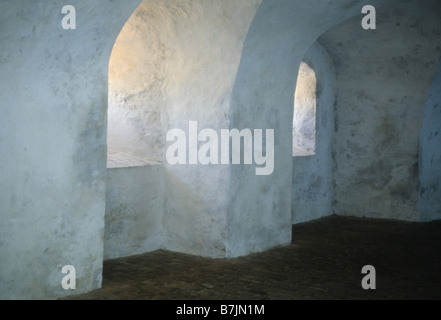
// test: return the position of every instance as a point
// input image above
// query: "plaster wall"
(230, 64)
(175, 62)
(281, 32)
(383, 81)
(201, 77)
(429, 202)
(312, 190)
(137, 77)
(53, 104)
(134, 211)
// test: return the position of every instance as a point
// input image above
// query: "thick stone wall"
(383, 78)
(53, 104)
(312, 191)
(227, 65)
(262, 97)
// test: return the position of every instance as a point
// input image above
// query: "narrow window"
(304, 126)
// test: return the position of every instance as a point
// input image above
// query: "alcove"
(304, 120)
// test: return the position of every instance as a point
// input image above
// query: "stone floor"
(323, 262)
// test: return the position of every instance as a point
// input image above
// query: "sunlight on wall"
(304, 112)
(136, 73)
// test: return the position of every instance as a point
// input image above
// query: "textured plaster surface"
(383, 81)
(53, 103)
(226, 64)
(263, 93)
(175, 62)
(312, 189)
(208, 45)
(429, 202)
(134, 211)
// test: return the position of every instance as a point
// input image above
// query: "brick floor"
(323, 262)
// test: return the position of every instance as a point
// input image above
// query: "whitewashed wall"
(53, 104)
(383, 78)
(312, 191)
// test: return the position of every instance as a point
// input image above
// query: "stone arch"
(312, 176)
(58, 158)
(263, 90)
(196, 47)
(55, 124)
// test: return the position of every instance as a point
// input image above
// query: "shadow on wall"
(429, 202)
(313, 117)
(166, 70)
(243, 77)
(383, 78)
